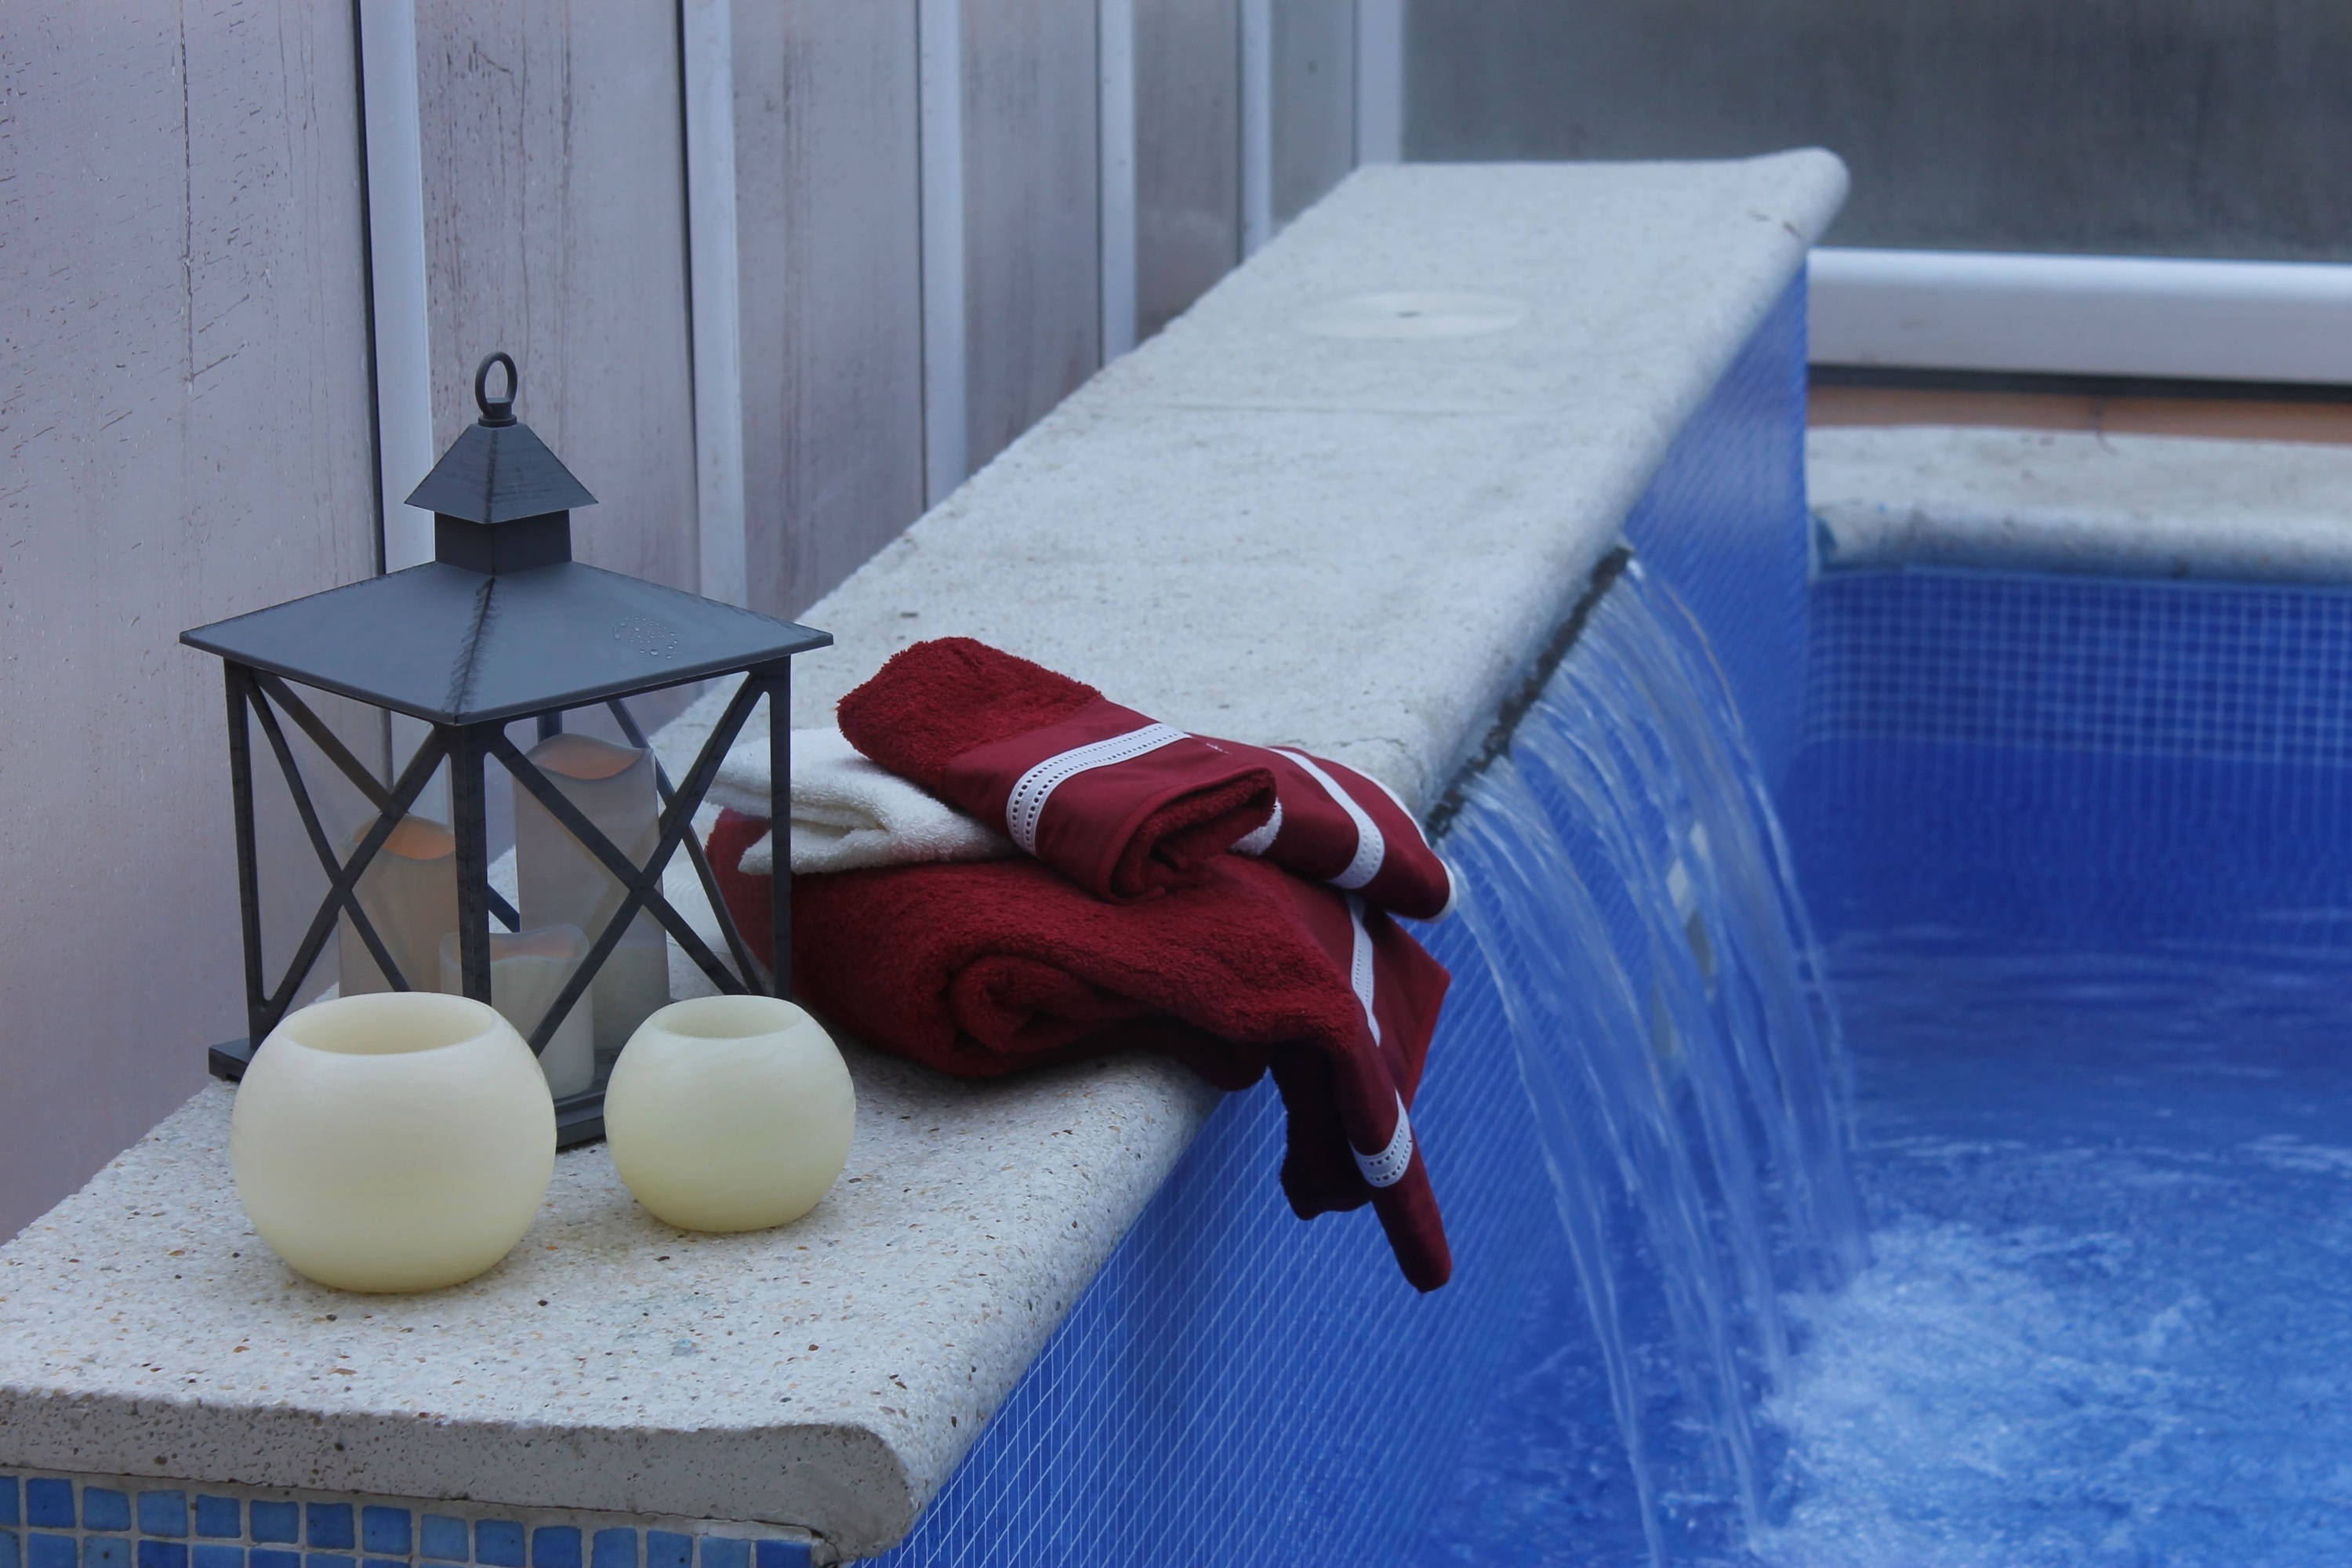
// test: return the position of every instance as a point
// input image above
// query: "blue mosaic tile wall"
(1237, 1387)
(49, 1520)
(2112, 760)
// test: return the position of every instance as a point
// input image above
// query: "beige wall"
(186, 405)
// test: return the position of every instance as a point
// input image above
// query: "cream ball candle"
(730, 1113)
(399, 1140)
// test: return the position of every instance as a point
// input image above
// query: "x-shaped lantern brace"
(261, 693)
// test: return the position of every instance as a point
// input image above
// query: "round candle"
(730, 1113)
(399, 1140)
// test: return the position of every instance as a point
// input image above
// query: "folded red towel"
(985, 968)
(1124, 808)
(1120, 805)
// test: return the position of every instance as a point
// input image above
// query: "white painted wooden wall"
(944, 214)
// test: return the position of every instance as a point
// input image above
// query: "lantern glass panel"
(410, 895)
(559, 881)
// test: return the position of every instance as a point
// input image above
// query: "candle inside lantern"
(528, 968)
(560, 883)
(410, 894)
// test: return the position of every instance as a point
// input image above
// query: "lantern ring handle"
(496, 410)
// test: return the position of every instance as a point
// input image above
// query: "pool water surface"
(2108, 1318)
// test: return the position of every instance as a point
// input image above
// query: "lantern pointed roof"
(471, 638)
(498, 470)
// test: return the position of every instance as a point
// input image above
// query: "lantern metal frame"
(501, 504)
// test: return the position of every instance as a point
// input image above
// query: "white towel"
(848, 812)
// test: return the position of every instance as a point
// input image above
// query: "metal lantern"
(502, 625)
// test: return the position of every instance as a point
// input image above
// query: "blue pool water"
(2080, 850)
(2110, 1312)
(2109, 1306)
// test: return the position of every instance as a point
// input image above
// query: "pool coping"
(2072, 502)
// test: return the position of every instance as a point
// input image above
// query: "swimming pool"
(2078, 846)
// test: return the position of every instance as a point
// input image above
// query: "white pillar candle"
(730, 1113)
(396, 1141)
(560, 883)
(410, 894)
(528, 969)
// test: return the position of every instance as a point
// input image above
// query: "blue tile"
(445, 1540)
(385, 1562)
(9, 1514)
(162, 1513)
(783, 1554)
(163, 1554)
(385, 1530)
(220, 1518)
(330, 1560)
(50, 1502)
(667, 1549)
(613, 1549)
(722, 1552)
(11, 1555)
(103, 1508)
(261, 1559)
(104, 1550)
(277, 1522)
(331, 1526)
(49, 1552)
(498, 1542)
(555, 1546)
(219, 1556)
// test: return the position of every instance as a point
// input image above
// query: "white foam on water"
(1953, 1410)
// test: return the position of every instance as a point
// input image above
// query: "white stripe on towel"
(1035, 787)
(1370, 846)
(1388, 1167)
(1257, 841)
(1360, 964)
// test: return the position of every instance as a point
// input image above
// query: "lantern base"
(578, 1117)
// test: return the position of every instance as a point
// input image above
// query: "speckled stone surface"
(1246, 527)
(1251, 529)
(2040, 501)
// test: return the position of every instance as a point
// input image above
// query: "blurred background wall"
(2202, 128)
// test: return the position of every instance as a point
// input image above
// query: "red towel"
(982, 969)
(1124, 808)
(1120, 805)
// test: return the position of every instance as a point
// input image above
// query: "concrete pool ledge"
(1341, 503)
(2042, 500)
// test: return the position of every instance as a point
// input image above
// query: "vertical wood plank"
(827, 211)
(1257, 125)
(1314, 102)
(1188, 153)
(708, 40)
(555, 215)
(1032, 315)
(1379, 81)
(1115, 67)
(183, 436)
(947, 379)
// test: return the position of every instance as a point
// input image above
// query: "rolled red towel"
(1332, 824)
(1123, 807)
(985, 968)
